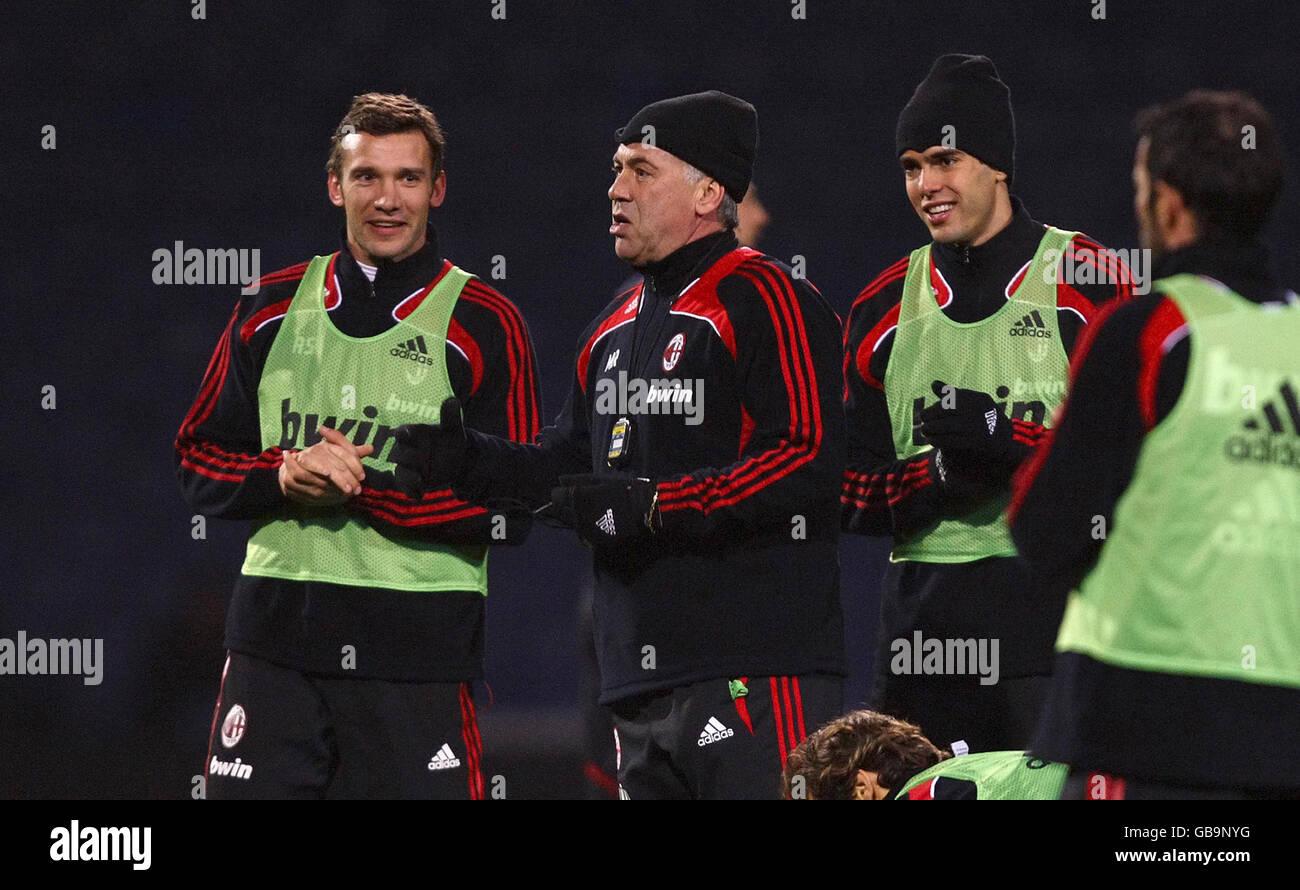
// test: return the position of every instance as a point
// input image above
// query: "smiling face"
(654, 209)
(960, 199)
(386, 190)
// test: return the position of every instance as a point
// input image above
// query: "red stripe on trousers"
(789, 715)
(216, 712)
(798, 709)
(776, 715)
(468, 734)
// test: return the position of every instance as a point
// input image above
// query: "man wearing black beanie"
(699, 454)
(956, 357)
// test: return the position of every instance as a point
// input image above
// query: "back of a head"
(1220, 151)
(824, 766)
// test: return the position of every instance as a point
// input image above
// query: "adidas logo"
(1031, 326)
(1267, 446)
(713, 731)
(606, 523)
(991, 418)
(414, 350)
(444, 759)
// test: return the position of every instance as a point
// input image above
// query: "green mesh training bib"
(364, 387)
(998, 775)
(1200, 571)
(1015, 355)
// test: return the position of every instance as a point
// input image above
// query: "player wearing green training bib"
(866, 755)
(357, 622)
(1169, 501)
(956, 358)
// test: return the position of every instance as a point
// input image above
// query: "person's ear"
(439, 193)
(708, 197)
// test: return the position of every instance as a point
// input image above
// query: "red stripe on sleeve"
(213, 378)
(893, 273)
(262, 316)
(1069, 298)
(1107, 262)
(1163, 321)
(465, 343)
(804, 408)
(521, 406)
(875, 491)
(867, 348)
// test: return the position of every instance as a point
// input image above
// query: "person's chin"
(387, 253)
(625, 251)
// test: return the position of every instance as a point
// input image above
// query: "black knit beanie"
(962, 103)
(713, 132)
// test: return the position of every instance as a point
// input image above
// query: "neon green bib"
(1200, 572)
(364, 387)
(998, 775)
(1016, 355)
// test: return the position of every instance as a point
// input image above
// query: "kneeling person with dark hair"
(866, 755)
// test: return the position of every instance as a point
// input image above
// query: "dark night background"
(215, 132)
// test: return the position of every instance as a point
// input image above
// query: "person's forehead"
(408, 146)
(628, 152)
(931, 153)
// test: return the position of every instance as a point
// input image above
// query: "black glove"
(975, 426)
(430, 456)
(608, 512)
(962, 481)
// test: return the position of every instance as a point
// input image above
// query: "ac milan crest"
(673, 353)
(232, 728)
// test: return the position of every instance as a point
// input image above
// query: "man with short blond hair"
(356, 626)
